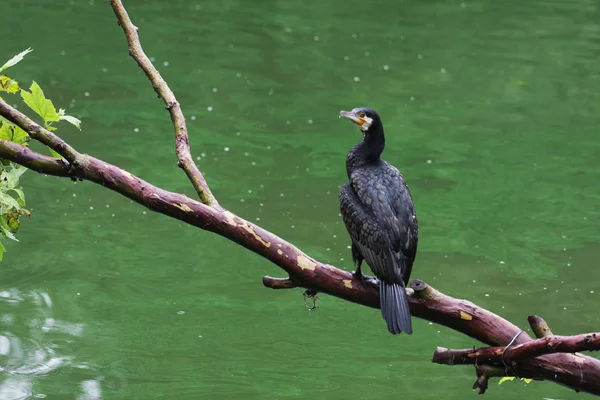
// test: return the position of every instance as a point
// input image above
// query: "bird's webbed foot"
(364, 279)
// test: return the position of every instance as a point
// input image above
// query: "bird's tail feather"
(394, 307)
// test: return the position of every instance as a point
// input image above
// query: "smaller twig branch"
(37, 132)
(182, 142)
(531, 349)
(539, 327)
(278, 283)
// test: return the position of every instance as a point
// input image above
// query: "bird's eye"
(361, 114)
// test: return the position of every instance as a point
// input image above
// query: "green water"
(492, 112)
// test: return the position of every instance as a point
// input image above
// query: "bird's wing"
(368, 234)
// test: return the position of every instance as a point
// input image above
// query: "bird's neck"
(367, 151)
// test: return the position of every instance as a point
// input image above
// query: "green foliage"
(12, 197)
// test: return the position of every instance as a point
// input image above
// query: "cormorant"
(379, 215)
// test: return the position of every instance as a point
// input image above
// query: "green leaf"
(2, 250)
(13, 133)
(526, 380)
(39, 103)
(21, 199)
(506, 378)
(16, 59)
(7, 201)
(54, 153)
(8, 85)
(8, 233)
(12, 177)
(69, 119)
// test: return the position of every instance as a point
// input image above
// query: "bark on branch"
(579, 372)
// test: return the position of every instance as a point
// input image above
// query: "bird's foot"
(364, 279)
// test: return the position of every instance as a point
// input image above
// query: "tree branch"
(40, 134)
(581, 373)
(530, 349)
(182, 143)
(539, 327)
(33, 160)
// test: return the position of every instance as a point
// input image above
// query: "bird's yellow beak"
(353, 117)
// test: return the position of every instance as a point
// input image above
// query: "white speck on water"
(87, 94)
(341, 259)
(316, 38)
(429, 161)
(209, 108)
(78, 294)
(261, 204)
(74, 194)
(443, 70)
(166, 63)
(144, 212)
(463, 5)
(136, 129)
(474, 281)
(193, 117)
(215, 90)
(334, 236)
(152, 59)
(181, 312)
(249, 190)
(346, 58)
(545, 288)
(420, 56)
(293, 226)
(268, 147)
(591, 291)
(246, 154)
(203, 154)
(328, 249)
(564, 236)
(356, 79)
(253, 162)
(310, 121)
(281, 194)
(354, 36)
(412, 98)
(257, 218)
(104, 69)
(386, 67)
(367, 53)
(501, 262)
(349, 247)
(112, 215)
(91, 207)
(307, 169)
(242, 201)
(568, 264)
(239, 74)
(238, 133)
(62, 53)
(487, 295)
(198, 158)
(226, 149)
(108, 206)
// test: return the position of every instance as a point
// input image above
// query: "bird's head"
(365, 118)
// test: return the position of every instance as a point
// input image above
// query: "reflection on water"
(33, 343)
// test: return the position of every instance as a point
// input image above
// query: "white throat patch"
(367, 124)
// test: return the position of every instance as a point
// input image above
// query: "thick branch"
(530, 349)
(182, 143)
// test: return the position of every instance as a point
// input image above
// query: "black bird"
(379, 215)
